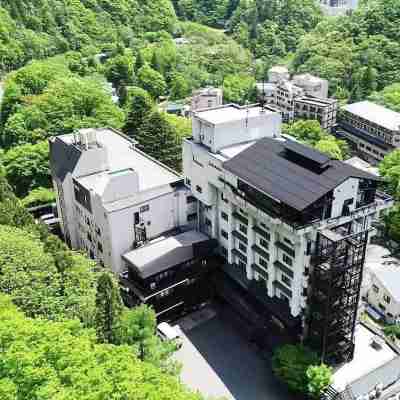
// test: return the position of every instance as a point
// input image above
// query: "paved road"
(219, 362)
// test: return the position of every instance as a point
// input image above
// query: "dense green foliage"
(388, 97)
(39, 196)
(300, 369)
(38, 29)
(310, 132)
(60, 360)
(27, 167)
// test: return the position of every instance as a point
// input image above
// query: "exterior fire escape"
(336, 281)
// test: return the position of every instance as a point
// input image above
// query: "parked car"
(170, 333)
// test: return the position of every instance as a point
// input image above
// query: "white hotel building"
(112, 197)
(292, 224)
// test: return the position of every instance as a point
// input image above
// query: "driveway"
(219, 362)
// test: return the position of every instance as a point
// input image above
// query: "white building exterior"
(338, 7)
(373, 129)
(239, 168)
(111, 196)
(206, 98)
(384, 292)
(305, 96)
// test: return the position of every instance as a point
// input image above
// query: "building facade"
(286, 219)
(338, 7)
(373, 130)
(111, 197)
(305, 96)
(384, 292)
(206, 98)
(170, 273)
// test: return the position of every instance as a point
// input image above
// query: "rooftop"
(389, 276)
(164, 253)
(290, 172)
(359, 373)
(357, 162)
(375, 113)
(124, 158)
(230, 113)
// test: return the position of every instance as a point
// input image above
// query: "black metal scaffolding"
(336, 282)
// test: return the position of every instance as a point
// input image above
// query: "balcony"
(239, 236)
(260, 251)
(282, 288)
(237, 253)
(284, 268)
(240, 217)
(260, 271)
(266, 235)
(285, 248)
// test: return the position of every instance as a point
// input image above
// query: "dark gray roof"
(63, 157)
(164, 253)
(291, 172)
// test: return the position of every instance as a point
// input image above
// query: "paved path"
(219, 362)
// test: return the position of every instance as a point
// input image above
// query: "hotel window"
(289, 242)
(191, 217)
(386, 298)
(242, 248)
(144, 208)
(263, 263)
(286, 259)
(207, 222)
(243, 229)
(190, 199)
(224, 216)
(224, 234)
(286, 280)
(100, 247)
(264, 243)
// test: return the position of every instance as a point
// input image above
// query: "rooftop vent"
(86, 138)
(377, 343)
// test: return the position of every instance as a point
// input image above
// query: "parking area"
(220, 362)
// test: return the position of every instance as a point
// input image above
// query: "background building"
(286, 218)
(373, 130)
(384, 292)
(305, 96)
(338, 7)
(111, 197)
(206, 98)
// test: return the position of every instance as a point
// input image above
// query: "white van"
(171, 333)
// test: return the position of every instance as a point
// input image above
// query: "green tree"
(290, 364)
(27, 167)
(139, 105)
(388, 97)
(60, 360)
(138, 329)
(329, 145)
(239, 88)
(319, 378)
(179, 87)
(389, 169)
(151, 81)
(120, 70)
(108, 309)
(39, 196)
(159, 139)
(308, 131)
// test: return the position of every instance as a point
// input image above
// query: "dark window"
(224, 216)
(100, 247)
(264, 226)
(382, 307)
(289, 242)
(145, 208)
(89, 237)
(207, 222)
(264, 243)
(386, 298)
(263, 263)
(136, 218)
(190, 199)
(375, 288)
(242, 247)
(224, 234)
(286, 280)
(82, 196)
(91, 254)
(191, 217)
(98, 231)
(188, 182)
(285, 298)
(199, 189)
(243, 229)
(286, 259)
(224, 251)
